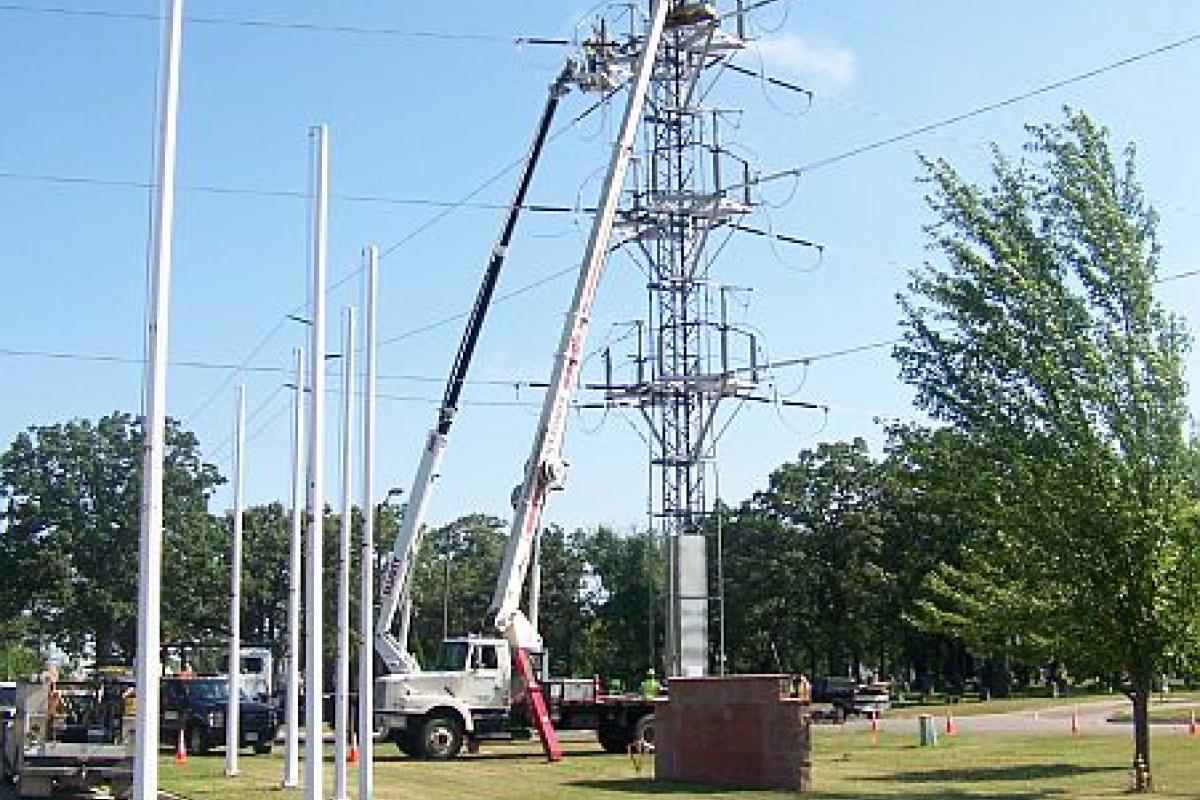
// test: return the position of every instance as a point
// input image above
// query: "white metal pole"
(145, 755)
(722, 655)
(366, 600)
(233, 705)
(314, 773)
(291, 707)
(341, 711)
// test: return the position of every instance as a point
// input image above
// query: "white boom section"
(393, 651)
(545, 469)
(396, 584)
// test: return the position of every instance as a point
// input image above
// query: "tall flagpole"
(233, 702)
(366, 600)
(145, 754)
(341, 711)
(291, 704)
(314, 772)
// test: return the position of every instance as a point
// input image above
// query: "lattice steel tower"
(688, 191)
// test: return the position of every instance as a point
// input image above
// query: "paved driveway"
(1092, 717)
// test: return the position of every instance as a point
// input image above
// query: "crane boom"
(545, 469)
(396, 584)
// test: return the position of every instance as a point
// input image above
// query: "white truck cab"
(258, 672)
(467, 692)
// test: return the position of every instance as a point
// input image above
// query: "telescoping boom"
(545, 469)
(393, 649)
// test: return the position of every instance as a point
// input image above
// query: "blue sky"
(430, 118)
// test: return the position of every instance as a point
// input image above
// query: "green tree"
(266, 545)
(622, 593)
(73, 493)
(565, 618)
(941, 550)
(454, 579)
(1040, 338)
(804, 568)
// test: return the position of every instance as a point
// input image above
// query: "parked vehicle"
(72, 736)
(258, 672)
(849, 697)
(481, 687)
(8, 700)
(197, 706)
(471, 693)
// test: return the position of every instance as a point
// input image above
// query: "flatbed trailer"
(474, 694)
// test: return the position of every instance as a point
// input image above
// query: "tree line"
(1044, 520)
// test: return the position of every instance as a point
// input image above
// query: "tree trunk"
(1140, 695)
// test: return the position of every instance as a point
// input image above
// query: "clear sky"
(430, 118)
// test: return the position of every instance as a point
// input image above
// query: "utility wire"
(101, 358)
(517, 292)
(390, 249)
(290, 194)
(240, 22)
(977, 111)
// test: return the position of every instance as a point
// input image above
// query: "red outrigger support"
(537, 707)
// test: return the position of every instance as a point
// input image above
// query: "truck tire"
(197, 740)
(614, 739)
(405, 742)
(643, 734)
(262, 748)
(440, 738)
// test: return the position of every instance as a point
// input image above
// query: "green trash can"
(926, 730)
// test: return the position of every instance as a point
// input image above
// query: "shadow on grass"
(486, 755)
(648, 786)
(651, 786)
(1013, 772)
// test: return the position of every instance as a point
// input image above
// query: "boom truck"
(487, 686)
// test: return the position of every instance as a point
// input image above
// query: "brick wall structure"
(738, 730)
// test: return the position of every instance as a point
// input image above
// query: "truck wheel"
(643, 734)
(613, 739)
(404, 740)
(197, 740)
(262, 748)
(440, 739)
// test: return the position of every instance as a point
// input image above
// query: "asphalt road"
(1092, 719)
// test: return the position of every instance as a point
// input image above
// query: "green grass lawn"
(846, 766)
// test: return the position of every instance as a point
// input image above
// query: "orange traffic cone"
(951, 728)
(1192, 729)
(352, 757)
(180, 750)
(1075, 729)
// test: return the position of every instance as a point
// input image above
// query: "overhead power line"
(1045, 88)
(289, 194)
(262, 369)
(429, 223)
(310, 27)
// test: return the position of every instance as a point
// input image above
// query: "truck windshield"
(208, 690)
(452, 657)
